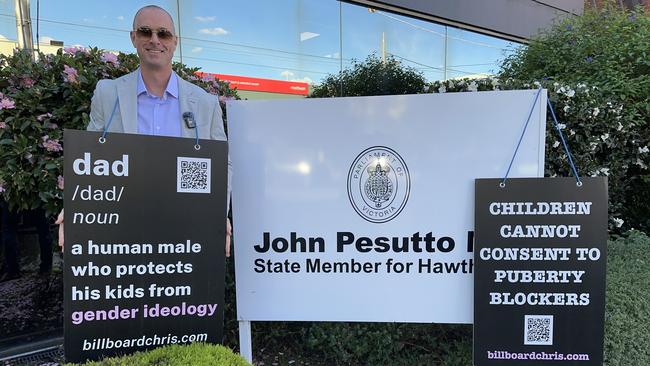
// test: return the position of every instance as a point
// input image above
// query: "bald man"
(153, 99)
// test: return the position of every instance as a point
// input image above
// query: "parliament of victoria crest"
(378, 184)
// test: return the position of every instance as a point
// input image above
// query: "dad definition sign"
(539, 286)
(360, 209)
(144, 239)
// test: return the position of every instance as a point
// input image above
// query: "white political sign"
(361, 209)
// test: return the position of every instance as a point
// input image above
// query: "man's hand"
(228, 235)
(59, 221)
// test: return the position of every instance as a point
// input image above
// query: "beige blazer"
(204, 106)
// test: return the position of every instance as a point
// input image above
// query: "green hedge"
(196, 354)
(627, 314)
(627, 329)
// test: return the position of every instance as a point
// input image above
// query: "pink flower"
(3, 125)
(27, 81)
(207, 77)
(6, 103)
(110, 58)
(59, 182)
(74, 49)
(51, 145)
(2, 188)
(41, 117)
(70, 74)
(224, 98)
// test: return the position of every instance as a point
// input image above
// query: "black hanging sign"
(144, 242)
(539, 280)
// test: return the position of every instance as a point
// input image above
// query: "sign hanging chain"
(503, 181)
(557, 127)
(566, 147)
(102, 139)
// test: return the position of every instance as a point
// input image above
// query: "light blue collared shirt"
(159, 116)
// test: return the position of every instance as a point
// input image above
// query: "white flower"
(556, 144)
(473, 86)
(572, 132)
(604, 137)
(593, 146)
(566, 108)
(581, 85)
(537, 84)
(640, 163)
(595, 112)
(562, 90)
(555, 84)
(442, 89)
(618, 222)
(619, 127)
(426, 88)
(570, 93)
(604, 171)
(451, 83)
(643, 150)
(561, 126)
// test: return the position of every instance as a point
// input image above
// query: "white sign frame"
(290, 178)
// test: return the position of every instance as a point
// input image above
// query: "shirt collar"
(171, 89)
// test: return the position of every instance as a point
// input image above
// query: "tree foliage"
(372, 77)
(603, 58)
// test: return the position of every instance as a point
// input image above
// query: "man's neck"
(156, 80)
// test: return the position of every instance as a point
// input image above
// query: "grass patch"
(199, 354)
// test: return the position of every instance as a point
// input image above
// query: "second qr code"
(538, 330)
(193, 175)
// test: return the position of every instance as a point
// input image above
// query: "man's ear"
(132, 35)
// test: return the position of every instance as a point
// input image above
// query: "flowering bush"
(39, 99)
(606, 138)
(603, 140)
(597, 67)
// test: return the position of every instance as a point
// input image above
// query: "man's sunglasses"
(146, 32)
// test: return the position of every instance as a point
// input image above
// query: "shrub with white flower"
(596, 69)
(598, 146)
(600, 99)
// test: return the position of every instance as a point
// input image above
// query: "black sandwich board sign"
(539, 280)
(144, 242)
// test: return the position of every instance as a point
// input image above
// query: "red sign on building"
(262, 85)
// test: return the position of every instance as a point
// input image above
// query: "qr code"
(538, 330)
(193, 175)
